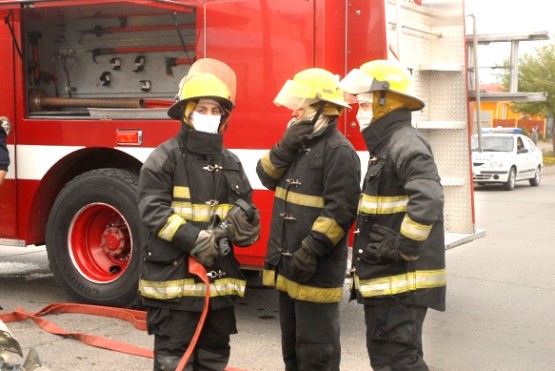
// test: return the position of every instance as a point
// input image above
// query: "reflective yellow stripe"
(181, 192)
(269, 167)
(302, 292)
(188, 287)
(400, 283)
(415, 231)
(200, 212)
(269, 277)
(168, 230)
(329, 228)
(300, 199)
(382, 204)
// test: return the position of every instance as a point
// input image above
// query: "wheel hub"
(113, 241)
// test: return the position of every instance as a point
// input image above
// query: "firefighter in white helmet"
(315, 173)
(399, 252)
(184, 185)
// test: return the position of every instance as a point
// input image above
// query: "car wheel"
(511, 180)
(535, 181)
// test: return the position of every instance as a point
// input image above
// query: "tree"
(536, 73)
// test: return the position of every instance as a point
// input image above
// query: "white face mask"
(364, 118)
(205, 123)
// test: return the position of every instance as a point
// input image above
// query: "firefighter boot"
(210, 361)
(166, 363)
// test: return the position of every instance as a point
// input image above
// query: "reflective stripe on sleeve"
(413, 230)
(382, 204)
(329, 228)
(299, 198)
(166, 290)
(401, 283)
(269, 167)
(172, 224)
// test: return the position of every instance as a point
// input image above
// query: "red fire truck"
(86, 85)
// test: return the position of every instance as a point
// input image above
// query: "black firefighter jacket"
(4, 154)
(316, 195)
(401, 191)
(183, 184)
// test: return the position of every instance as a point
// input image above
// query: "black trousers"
(394, 337)
(173, 331)
(309, 335)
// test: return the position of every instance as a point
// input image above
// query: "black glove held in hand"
(204, 249)
(303, 265)
(294, 136)
(240, 230)
(389, 244)
(384, 243)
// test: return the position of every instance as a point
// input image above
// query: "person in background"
(4, 154)
(315, 173)
(534, 134)
(399, 248)
(186, 185)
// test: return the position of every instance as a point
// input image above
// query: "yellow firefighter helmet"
(308, 87)
(383, 75)
(207, 78)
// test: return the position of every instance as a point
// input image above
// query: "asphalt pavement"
(500, 302)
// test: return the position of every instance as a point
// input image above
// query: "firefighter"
(4, 154)
(399, 252)
(184, 185)
(315, 173)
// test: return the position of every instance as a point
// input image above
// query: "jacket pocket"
(159, 251)
(237, 183)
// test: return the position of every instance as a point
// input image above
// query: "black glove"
(303, 264)
(240, 230)
(383, 245)
(294, 136)
(389, 244)
(204, 248)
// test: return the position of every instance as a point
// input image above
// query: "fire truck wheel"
(93, 237)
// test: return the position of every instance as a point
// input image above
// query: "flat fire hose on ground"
(136, 317)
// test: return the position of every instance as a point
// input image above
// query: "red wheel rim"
(100, 243)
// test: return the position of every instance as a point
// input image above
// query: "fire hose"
(136, 317)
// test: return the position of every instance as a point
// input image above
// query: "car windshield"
(493, 144)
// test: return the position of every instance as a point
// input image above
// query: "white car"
(506, 157)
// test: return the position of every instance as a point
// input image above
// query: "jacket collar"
(199, 142)
(379, 132)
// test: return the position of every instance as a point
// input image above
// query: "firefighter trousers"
(174, 329)
(394, 337)
(309, 335)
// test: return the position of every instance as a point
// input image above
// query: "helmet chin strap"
(318, 112)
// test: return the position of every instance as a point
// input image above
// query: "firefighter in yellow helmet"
(186, 186)
(399, 252)
(315, 173)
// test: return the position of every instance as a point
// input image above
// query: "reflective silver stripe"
(168, 230)
(415, 231)
(188, 287)
(400, 283)
(199, 212)
(382, 204)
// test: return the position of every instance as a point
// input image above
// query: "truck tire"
(93, 237)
